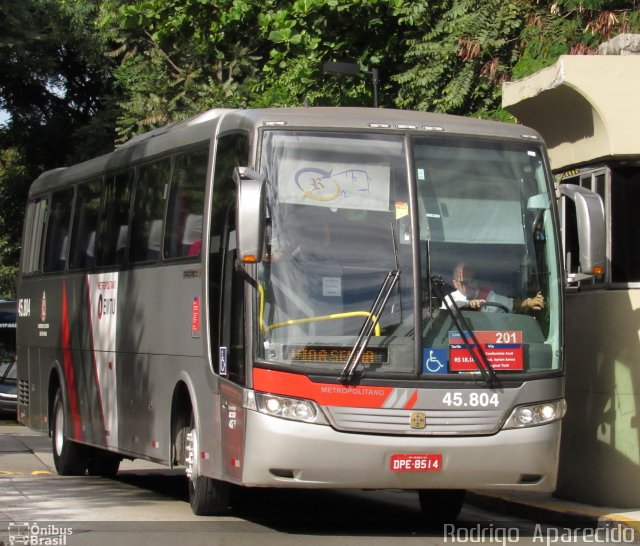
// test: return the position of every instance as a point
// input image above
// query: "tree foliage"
(54, 83)
(470, 47)
(184, 56)
(77, 75)
(14, 178)
(459, 64)
(53, 78)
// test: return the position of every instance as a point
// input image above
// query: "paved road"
(147, 504)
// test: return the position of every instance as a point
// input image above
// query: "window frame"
(36, 215)
(49, 226)
(168, 228)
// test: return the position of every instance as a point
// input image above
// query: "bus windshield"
(487, 237)
(339, 221)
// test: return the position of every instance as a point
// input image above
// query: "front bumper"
(282, 453)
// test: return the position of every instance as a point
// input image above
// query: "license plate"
(416, 462)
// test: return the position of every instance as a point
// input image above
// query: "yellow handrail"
(293, 322)
(334, 316)
(261, 310)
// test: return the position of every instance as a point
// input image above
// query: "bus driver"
(468, 294)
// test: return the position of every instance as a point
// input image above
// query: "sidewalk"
(545, 507)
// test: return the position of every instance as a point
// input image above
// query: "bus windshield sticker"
(402, 209)
(434, 360)
(504, 350)
(335, 185)
(332, 286)
(223, 360)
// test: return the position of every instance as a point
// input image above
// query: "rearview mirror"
(250, 214)
(591, 228)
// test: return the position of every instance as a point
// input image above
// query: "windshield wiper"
(466, 333)
(369, 324)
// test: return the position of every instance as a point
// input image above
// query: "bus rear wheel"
(440, 505)
(207, 497)
(70, 458)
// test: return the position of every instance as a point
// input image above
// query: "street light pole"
(374, 77)
(353, 69)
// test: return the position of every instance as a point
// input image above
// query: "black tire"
(207, 497)
(440, 505)
(70, 458)
(102, 463)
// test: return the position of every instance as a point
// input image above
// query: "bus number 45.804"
(471, 400)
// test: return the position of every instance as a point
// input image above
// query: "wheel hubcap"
(59, 430)
(191, 459)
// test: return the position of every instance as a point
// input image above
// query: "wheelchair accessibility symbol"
(434, 360)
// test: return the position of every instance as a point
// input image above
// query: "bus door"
(231, 358)
(226, 289)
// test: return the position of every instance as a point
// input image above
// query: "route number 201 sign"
(504, 350)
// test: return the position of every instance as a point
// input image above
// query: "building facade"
(587, 108)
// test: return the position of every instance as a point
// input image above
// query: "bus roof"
(201, 128)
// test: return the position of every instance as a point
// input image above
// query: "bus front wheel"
(70, 458)
(207, 496)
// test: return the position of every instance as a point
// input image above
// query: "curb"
(543, 510)
(551, 510)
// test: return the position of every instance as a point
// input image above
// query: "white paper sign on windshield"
(335, 185)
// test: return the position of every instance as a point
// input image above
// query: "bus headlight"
(533, 415)
(295, 409)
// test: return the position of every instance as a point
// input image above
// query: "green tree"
(458, 64)
(571, 27)
(305, 33)
(54, 83)
(468, 48)
(13, 180)
(53, 79)
(180, 57)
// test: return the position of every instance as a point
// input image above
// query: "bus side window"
(85, 220)
(183, 236)
(57, 242)
(114, 220)
(34, 231)
(192, 235)
(148, 211)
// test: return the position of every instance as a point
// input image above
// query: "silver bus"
(272, 298)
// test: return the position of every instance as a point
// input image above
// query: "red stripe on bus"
(325, 394)
(412, 401)
(72, 392)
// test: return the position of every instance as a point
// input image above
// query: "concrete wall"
(582, 106)
(600, 449)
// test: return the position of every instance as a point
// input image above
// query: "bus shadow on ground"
(309, 511)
